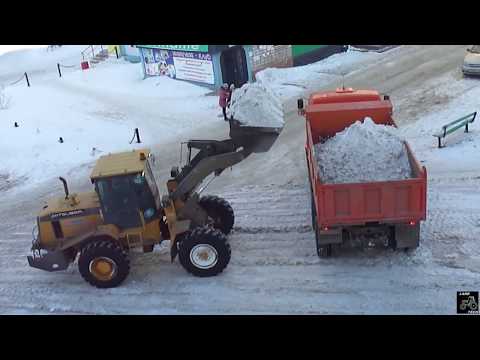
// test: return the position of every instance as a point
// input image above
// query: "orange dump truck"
(386, 212)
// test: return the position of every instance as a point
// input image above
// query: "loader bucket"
(253, 139)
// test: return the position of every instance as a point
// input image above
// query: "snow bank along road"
(274, 268)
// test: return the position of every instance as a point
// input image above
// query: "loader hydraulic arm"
(215, 156)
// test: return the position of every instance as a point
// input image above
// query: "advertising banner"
(194, 67)
(191, 66)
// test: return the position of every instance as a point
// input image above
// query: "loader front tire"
(219, 211)
(103, 263)
(204, 252)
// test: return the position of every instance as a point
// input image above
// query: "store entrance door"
(233, 62)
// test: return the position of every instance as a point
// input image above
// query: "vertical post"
(59, 72)
(466, 127)
(137, 135)
(116, 51)
(439, 142)
(26, 77)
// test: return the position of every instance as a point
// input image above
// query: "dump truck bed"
(348, 204)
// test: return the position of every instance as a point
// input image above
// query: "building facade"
(213, 65)
(129, 52)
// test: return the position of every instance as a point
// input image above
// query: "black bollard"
(137, 134)
(59, 72)
(60, 140)
(16, 125)
(116, 52)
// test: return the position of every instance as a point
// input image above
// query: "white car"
(471, 63)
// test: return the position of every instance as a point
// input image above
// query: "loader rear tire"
(103, 263)
(219, 211)
(204, 252)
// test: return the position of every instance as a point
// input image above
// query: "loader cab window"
(123, 198)
(152, 184)
(118, 201)
(144, 196)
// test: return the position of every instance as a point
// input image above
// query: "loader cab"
(126, 189)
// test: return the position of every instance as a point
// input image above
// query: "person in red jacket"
(224, 94)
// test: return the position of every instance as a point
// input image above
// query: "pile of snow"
(255, 105)
(290, 82)
(363, 152)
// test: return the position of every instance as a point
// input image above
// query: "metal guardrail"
(455, 125)
(90, 51)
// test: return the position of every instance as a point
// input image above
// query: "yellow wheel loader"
(126, 211)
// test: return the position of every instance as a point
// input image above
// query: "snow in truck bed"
(363, 152)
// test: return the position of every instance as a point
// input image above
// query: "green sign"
(298, 50)
(196, 48)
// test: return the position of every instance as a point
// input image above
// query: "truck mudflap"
(407, 236)
(330, 236)
(50, 261)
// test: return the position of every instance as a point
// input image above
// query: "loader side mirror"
(174, 172)
(300, 107)
(300, 104)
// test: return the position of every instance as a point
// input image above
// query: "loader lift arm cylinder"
(215, 156)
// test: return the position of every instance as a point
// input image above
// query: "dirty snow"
(290, 82)
(363, 152)
(460, 154)
(255, 105)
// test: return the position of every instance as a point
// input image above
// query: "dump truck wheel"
(204, 252)
(219, 211)
(103, 263)
(313, 211)
(324, 251)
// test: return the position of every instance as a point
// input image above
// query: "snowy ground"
(95, 112)
(274, 268)
(291, 82)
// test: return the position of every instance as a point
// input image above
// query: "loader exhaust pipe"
(65, 186)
